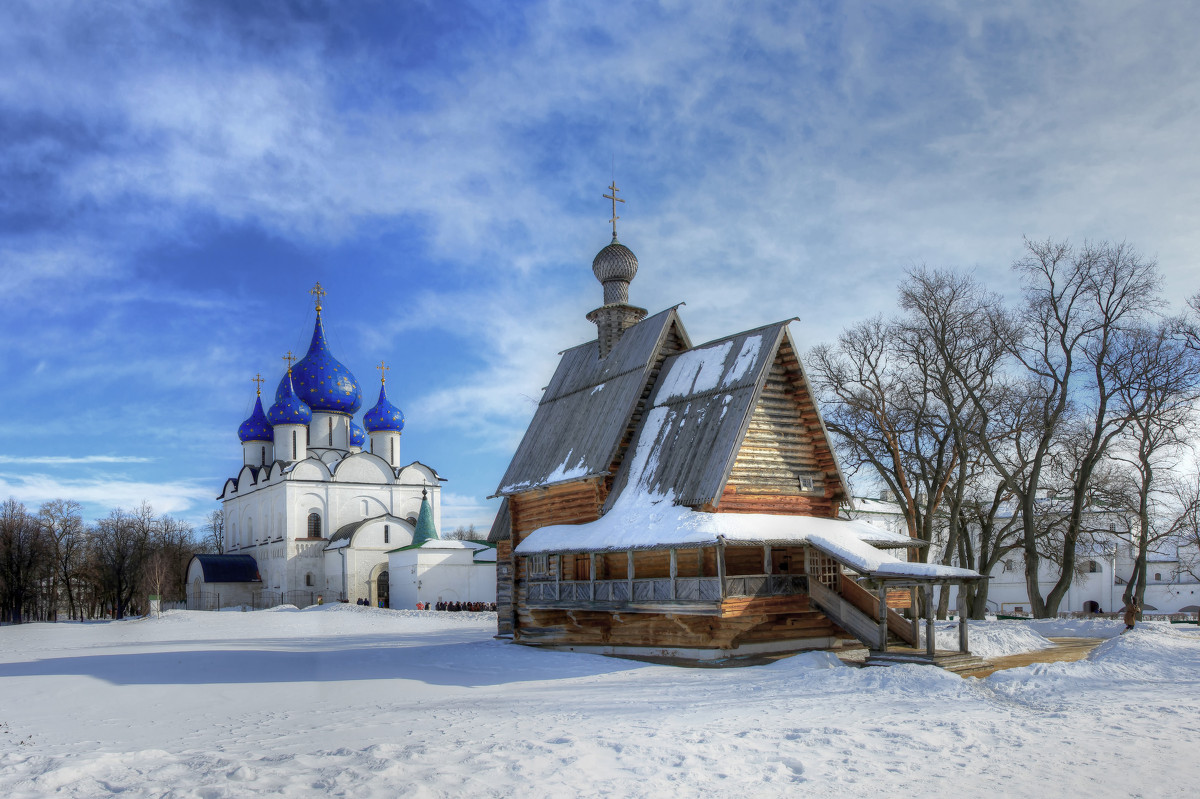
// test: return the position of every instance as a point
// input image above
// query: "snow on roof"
(872, 505)
(648, 522)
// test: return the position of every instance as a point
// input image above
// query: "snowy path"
(349, 701)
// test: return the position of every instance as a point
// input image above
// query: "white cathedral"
(314, 513)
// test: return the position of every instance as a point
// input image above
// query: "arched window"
(387, 534)
(392, 442)
(314, 525)
(364, 508)
(1093, 567)
(293, 446)
(1158, 575)
(262, 454)
(308, 579)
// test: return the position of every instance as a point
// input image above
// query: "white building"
(1106, 565)
(315, 506)
(430, 570)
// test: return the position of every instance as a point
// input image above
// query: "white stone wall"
(437, 575)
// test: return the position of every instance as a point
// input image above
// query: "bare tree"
(63, 523)
(462, 533)
(22, 554)
(171, 547)
(214, 532)
(1078, 305)
(119, 546)
(887, 420)
(955, 336)
(1160, 402)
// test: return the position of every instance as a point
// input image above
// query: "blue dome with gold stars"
(384, 416)
(358, 436)
(321, 380)
(256, 428)
(289, 409)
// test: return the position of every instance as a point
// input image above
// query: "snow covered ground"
(350, 701)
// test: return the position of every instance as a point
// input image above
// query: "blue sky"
(174, 177)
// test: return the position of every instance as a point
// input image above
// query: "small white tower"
(385, 423)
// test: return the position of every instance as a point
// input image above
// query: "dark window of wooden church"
(314, 525)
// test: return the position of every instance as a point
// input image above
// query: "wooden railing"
(664, 589)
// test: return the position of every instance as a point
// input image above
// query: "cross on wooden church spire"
(382, 367)
(615, 199)
(319, 292)
(258, 381)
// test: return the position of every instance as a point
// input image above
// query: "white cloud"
(73, 460)
(173, 496)
(463, 511)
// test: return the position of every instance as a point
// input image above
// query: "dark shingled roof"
(579, 423)
(228, 568)
(501, 525)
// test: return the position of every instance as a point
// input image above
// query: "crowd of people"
(474, 607)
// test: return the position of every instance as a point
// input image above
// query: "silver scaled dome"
(615, 266)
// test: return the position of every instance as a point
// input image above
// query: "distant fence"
(261, 600)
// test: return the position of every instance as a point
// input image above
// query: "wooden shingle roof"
(584, 412)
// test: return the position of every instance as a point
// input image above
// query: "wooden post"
(767, 559)
(557, 576)
(674, 570)
(629, 572)
(721, 567)
(592, 576)
(883, 632)
(962, 620)
(914, 611)
(930, 635)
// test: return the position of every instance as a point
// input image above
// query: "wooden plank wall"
(742, 621)
(504, 585)
(572, 503)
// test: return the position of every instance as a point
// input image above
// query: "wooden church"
(683, 500)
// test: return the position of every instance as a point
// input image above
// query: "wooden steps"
(950, 661)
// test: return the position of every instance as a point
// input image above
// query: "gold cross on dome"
(382, 367)
(615, 199)
(258, 381)
(319, 292)
(290, 359)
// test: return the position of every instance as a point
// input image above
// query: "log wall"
(572, 503)
(741, 621)
(504, 588)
